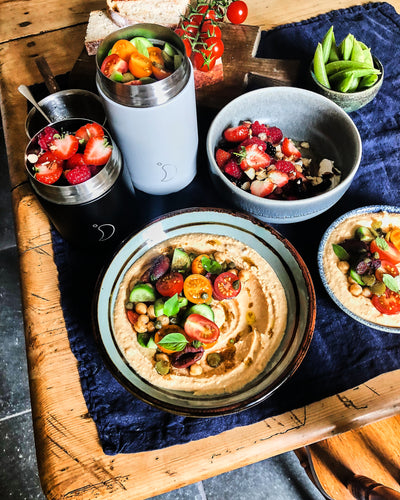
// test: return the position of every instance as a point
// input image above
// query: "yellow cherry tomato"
(140, 66)
(124, 49)
(197, 289)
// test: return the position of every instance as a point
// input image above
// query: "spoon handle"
(23, 89)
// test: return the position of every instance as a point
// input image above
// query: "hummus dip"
(337, 280)
(251, 325)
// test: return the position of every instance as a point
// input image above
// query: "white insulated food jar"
(155, 124)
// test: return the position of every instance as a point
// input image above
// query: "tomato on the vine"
(216, 46)
(388, 303)
(204, 60)
(209, 29)
(237, 12)
(185, 40)
(190, 28)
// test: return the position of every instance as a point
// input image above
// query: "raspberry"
(259, 128)
(94, 169)
(46, 136)
(254, 140)
(232, 168)
(275, 134)
(78, 174)
(284, 166)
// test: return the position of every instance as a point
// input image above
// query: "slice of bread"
(164, 12)
(99, 26)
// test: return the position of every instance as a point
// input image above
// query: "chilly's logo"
(106, 231)
(168, 171)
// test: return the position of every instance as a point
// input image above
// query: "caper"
(378, 288)
(204, 296)
(158, 324)
(162, 367)
(129, 306)
(214, 359)
(368, 279)
(173, 320)
(236, 284)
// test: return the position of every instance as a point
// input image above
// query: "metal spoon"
(23, 89)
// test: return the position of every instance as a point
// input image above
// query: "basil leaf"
(174, 342)
(151, 344)
(391, 283)
(381, 243)
(340, 252)
(171, 306)
(211, 266)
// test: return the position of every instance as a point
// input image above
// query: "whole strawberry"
(77, 175)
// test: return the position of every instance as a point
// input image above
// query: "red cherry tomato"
(204, 60)
(216, 46)
(198, 327)
(237, 12)
(209, 29)
(386, 268)
(170, 284)
(113, 63)
(211, 15)
(190, 28)
(386, 250)
(389, 303)
(226, 286)
(185, 40)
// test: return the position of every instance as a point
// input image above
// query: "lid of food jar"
(151, 94)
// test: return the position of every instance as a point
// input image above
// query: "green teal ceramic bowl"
(353, 100)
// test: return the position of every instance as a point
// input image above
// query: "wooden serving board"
(240, 66)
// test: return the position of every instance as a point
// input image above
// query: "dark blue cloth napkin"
(343, 352)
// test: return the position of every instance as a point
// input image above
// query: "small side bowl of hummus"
(359, 263)
(204, 312)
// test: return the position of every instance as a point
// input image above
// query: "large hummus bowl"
(279, 295)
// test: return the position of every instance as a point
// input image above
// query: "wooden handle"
(45, 71)
(364, 488)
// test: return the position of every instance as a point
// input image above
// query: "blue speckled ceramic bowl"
(322, 248)
(301, 115)
(277, 251)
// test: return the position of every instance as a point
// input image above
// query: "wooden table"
(70, 458)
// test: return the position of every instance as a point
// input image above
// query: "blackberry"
(271, 149)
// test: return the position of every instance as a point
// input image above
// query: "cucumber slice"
(177, 60)
(169, 49)
(142, 293)
(180, 260)
(202, 309)
(142, 43)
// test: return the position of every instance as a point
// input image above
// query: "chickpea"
(366, 292)
(150, 326)
(141, 308)
(351, 280)
(150, 312)
(161, 356)
(195, 370)
(356, 289)
(163, 319)
(343, 266)
(141, 324)
(244, 275)
(219, 257)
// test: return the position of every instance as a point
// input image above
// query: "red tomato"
(209, 29)
(198, 327)
(204, 60)
(185, 40)
(386, 268)
(113, 63)
(216, 46)
(389, 303)
(170, 284)
(237, 12)
(190, 28)
(388, 251)
(224, 287)
(211, 15)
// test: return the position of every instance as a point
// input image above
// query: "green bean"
(335, 66)
(319, 67)
(327, 44)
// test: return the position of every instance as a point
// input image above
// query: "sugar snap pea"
(358, 73)
(327, 41)
(319, 67)
(368, 81)
(357, 54)
(346, 83)
(346, 46)
(335, 66)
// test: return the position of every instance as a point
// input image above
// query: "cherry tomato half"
(124, 49)
(113, 63)
(209, 30)
(204, 60)
(389, 303)
(237, 12)
(140, 66)
(198, 327)
(197, 266)
(389, 253)
(170, 284)
(395, 237)
(166, 330)
(197, 289)
(226, 286)
(386, 268)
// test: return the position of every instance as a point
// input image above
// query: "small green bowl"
(350, 101)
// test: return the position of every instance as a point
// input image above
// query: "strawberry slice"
(236, 134)
(75, 161)
(262, 188)
(84, 133)
(48, 168)
(65, 146)
(253, 157)
(278, 178)
(221, 157)
(289, 149)
(97, 151)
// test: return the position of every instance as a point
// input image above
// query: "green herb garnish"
(340, 252)
(211, 266)
(174, 342)
(391, 283)
(381, 243)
